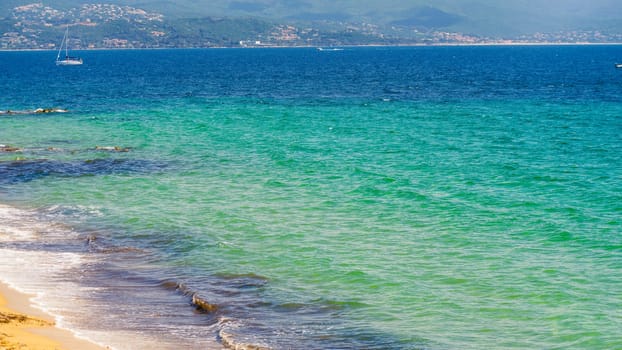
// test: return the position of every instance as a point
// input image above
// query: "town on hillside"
(97, 26)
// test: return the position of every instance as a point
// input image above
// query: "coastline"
(491, 43)
(40, 311)
(24, 327)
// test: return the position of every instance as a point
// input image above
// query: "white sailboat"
(67, 60)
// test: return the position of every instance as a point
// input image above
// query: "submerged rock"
(34, 111)
(7, 148)
(49, 110)
(112, 148)
(203, 305)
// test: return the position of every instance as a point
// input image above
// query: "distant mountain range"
(205, 23)
(479, 17)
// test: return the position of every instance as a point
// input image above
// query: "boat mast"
(60, 49)
(66, 43)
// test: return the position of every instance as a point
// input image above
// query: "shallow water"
(417, 198)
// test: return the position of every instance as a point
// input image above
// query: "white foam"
(73, 211)
(15, 224)
(41, 273)
(36, 273)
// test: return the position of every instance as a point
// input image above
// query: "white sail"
(67, 60)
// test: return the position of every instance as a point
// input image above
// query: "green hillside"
(482, 17)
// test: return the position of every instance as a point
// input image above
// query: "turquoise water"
(373, 198)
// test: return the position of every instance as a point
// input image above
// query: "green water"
(462, 225)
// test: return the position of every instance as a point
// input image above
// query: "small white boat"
(618, 65)
(67, 60)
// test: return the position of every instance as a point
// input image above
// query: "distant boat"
(329, 49)
(67, 60)
(618, 65)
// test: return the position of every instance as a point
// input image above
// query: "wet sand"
(24, 327)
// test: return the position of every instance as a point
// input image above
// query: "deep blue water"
(441, 74)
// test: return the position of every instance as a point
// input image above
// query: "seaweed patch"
(30, 170)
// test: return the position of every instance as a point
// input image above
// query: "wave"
(201, 303)
(30, 263)
(225, 324)
(230, 342)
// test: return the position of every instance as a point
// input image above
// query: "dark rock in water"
(112, 148)
(203, 305)
(49, 110)
(7, 148)
(34, 111)
(94, 245)
(90, 239)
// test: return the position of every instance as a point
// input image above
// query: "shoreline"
(22, 326)
(39, 312)
(492, 43)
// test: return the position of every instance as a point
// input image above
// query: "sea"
(293, 198)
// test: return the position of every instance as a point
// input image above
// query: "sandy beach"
(24, 327)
